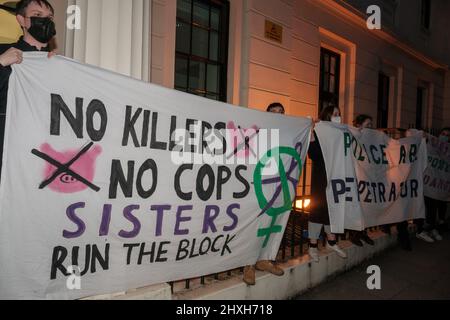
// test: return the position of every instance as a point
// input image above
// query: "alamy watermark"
(73, 281)
(374, 19)
(234, 145)
(374, 280)
(73, 21)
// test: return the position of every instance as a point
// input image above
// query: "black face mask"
(42, 29)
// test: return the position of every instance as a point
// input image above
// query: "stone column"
(114, 34)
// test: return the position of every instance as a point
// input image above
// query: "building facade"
(306, 54)
(303, 53)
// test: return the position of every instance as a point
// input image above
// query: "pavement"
(420, 274)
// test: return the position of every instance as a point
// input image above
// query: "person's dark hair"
(444, 129)
(359, 120)
(327, 113)
(23, 5)
(275, 105)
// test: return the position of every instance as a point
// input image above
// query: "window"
(420, 106)
(330, 63)
(425, 15)
(201, 47)
(383, 100)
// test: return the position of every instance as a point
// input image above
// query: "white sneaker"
(313, 254)
(338, 250)
(436, 235)
(425, 237)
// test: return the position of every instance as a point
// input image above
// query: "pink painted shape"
(235, 138)
(84, 166)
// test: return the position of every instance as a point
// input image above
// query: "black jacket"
(319, 206)
(5, 72)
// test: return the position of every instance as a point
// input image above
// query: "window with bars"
(201, 47)
(330, 63)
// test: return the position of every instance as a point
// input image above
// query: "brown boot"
(249, 275)
(266, 265)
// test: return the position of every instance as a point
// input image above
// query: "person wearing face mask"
(362, 121)
(36, 19)
(444, 135)
(319, 217)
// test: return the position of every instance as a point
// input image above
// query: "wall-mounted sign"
(274, 31)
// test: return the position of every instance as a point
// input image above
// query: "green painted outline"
(262, 201)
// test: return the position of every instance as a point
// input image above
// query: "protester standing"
(319, 216)
(264, 265)
(361, 122)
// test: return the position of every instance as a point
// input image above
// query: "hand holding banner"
(372, 179)
(134, 184)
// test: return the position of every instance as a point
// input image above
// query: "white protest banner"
(437, 176)
(132, 184)
(372, 179)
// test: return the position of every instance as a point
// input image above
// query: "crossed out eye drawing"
(70, 171)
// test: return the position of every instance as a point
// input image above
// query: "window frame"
(222, 51)
(327, 95)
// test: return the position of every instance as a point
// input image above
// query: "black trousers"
(402, 228)
(441, 209)
(2, 138)
(433, 209)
